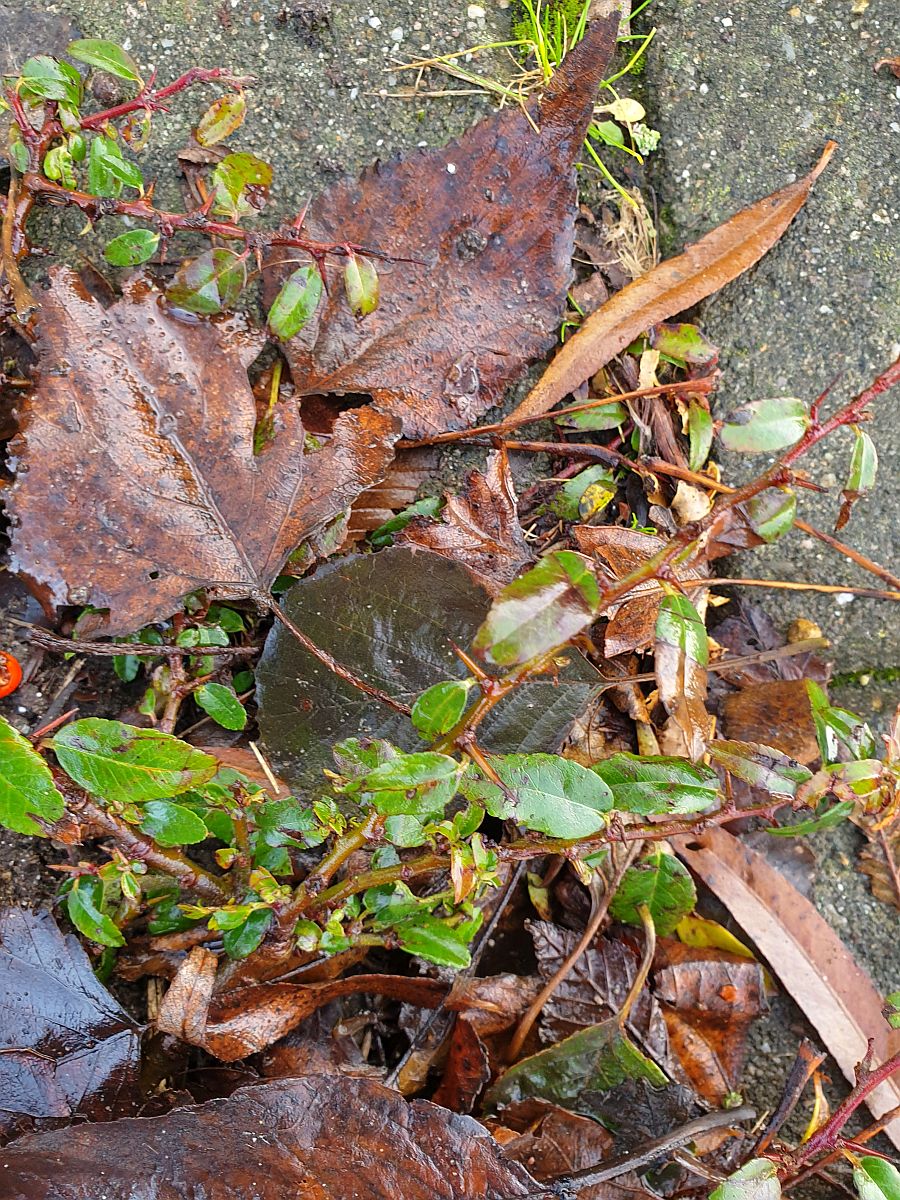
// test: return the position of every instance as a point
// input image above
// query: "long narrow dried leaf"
(804, 952)
(670, 288)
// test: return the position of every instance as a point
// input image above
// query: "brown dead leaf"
(775, 713)
(324, 1137)
(632, 623)
(804, 953)
(880, 860)
(486, 227)
(478, 528)
(245, 1020)
(550, 1141)
(399, 488)
(670, 288)
(468, 1068)
(137, 481)
(708, 1005)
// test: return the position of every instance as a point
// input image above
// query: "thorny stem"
(151, 101)
(591, 929)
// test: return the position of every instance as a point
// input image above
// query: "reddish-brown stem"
(153, 100)
(867, 564)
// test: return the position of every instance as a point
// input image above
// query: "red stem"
(152, 100)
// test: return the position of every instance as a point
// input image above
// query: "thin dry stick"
(534, 1010)
(867, 564)
(794, 586)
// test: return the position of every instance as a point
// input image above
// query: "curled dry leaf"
(137, 482)
(632, 622)
(673, 286)
(479, 528)
(468, 1068)
(323, 1137)
(66, 1047)
(473, 291)
(804, 953)
(549, 1140)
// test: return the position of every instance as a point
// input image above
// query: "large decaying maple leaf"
(486, 225)
(137, 482)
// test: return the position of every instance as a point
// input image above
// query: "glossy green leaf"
(763, 426)
(119, 762)
(172, 824)
(244, 939)
(208, 284)
(760, 766)
(568, 503)
(18, 152)
(837, 728)
(657, 784)
(107, 160)
(771, 514)
(440, 707)
(221, 703)
(891, 1010)
(131, 248)
(221, 119)
(411, 771)
(237, 180)
(604, 416)
(546, 606)
(683, 342)
(361, 285)
(545, 792)
(863, 464)
(828, 820)
(57, 165)
(429, 506)
(596, 1059)
(660, 882)
(84, 903)
(27, 789)
(700, 435)
(435, 940)
(46, 78)
(106, 56)
(404, 831)
(296, 302)
(756, 1180)
(875, 1179)
(682, 654)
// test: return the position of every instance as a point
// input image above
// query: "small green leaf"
(545, 792)
(46, 78)
(891, 1010)
(440, 707)
(756, 1180)
(680, 626)
(766, 425)
(429, 506)
(760, 766)
(863, 465)
(828, 820)
(107, 56)
(240, 183)
(683, 342)
(657, 784)
(208, 284)
(604, 416)
(771, 514)
(436, 941)
(660, 882)
(700, 435)
(596, 1059)
(109, 158)
(221, 703)
(568, 503)
(57, 165)
(361, 285)
(875, 1179)
(404, 831)
(244, 939)
(84, 903)
(221, 119)
(131, 248)
(27, 789)
(172, 824)
(119, 762)
(546, 606)
(295, 303)
(837, 727)
(18, 153)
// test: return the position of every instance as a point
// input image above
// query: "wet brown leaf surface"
(66, 1047)
(489, 220)
(324, 1137)
(137, 482)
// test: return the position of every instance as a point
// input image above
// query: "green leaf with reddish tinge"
(84, 902)
(208, 284)
(221, 119)
(660, 883)
(240, 183)
(647, 785)
(105, 56)
(361, 285)
(763, 426)
(545, 792)
(771, 514)
(760, 766)
(27, 789)
(756, 1180)
(683, 342)
(546, 606)
(440, 707)
(131, 248)
(682, 655)
(295, 303)
(121, 763)
(700, 435)
(876, 1179)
